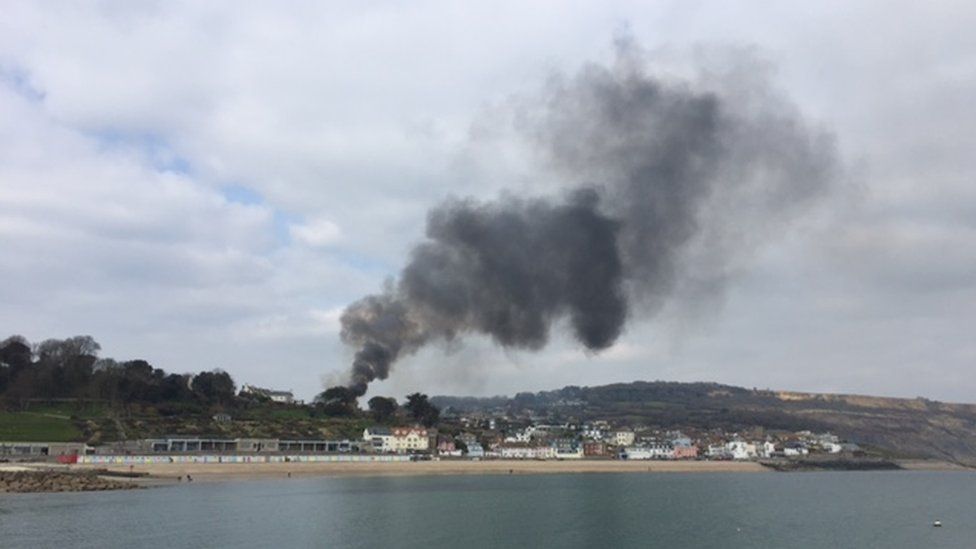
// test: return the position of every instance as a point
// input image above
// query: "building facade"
(43, 449)
(516, 450)
(648, 451)
(741, 450)
(689, 451)
(595, 449)
(624, 438)
(397, 439)
(283, 397)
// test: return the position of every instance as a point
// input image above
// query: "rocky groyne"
(58, 481)
(830, 464)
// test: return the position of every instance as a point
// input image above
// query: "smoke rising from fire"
(657, 171)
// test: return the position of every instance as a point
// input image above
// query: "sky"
(208, 185)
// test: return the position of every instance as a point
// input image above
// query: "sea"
(778, 510)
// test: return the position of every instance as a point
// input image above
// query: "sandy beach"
(170, 473)
(243, 471)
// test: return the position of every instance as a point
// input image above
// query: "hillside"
(918, 427)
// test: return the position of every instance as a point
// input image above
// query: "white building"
(398, 439)
(832, 447)
(593, 433)
(793, 449)
(824, 438)
(569, 453)
(284, 397)
(524, 435)
(624, 437)
(768, 449)
(649, 451)
(475, 450)
(525, 451)
(740, 449)
(379, 438)
(718, 451)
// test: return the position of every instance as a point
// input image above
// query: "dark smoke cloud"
(659, 171)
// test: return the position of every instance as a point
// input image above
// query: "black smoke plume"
(665, 180)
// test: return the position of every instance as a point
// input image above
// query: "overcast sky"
(207, 185)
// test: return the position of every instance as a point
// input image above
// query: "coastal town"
(124, 411)
(268, 432)
(422, 432)
(457, 437)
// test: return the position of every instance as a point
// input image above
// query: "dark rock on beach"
(58, 481)
(815, 464)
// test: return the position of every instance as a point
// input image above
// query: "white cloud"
(317, 232)
(310, 323)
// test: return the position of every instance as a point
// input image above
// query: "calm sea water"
(844, 509)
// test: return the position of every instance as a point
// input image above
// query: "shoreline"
(171, 474)
(247, 471)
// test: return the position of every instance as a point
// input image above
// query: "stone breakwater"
(58, 481)
(831, 464)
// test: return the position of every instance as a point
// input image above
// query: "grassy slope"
(98, 423)
(35, 426)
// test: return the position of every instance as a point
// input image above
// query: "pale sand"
(241, 471)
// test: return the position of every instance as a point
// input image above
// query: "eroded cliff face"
(864, 401)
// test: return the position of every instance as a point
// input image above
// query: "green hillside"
(33, 426)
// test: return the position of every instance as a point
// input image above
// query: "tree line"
(341, 401)
(70, 368)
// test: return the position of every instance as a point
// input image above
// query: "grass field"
(41, 427)
(66, 409)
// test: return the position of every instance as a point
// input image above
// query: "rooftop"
(267, 392)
